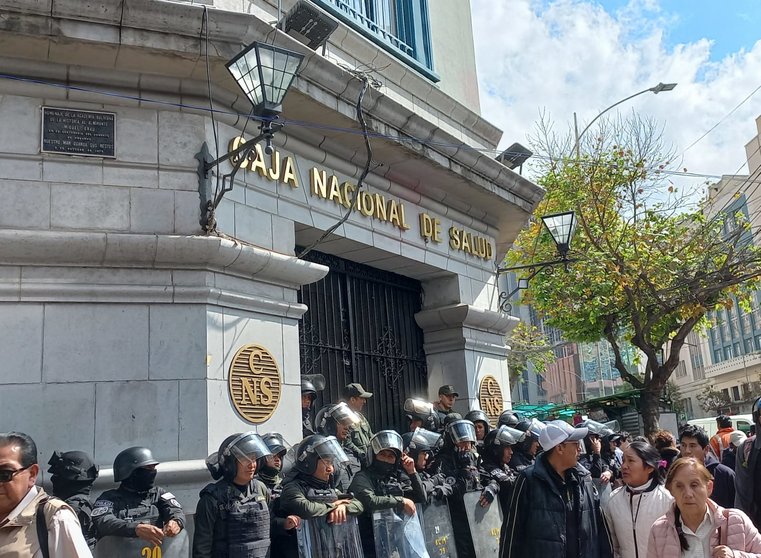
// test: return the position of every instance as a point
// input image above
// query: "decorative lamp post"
(264, 73)
(561, 227)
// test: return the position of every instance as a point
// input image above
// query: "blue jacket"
(535, 521)
(723, 482)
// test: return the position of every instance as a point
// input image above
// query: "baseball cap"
(356, 390)
(448, 389)
(558, 431)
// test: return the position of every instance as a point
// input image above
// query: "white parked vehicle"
(739, 422)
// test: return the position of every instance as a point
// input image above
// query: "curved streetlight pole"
(655, 90)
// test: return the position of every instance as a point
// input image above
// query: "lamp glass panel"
(246, 74)
(278, 69)
(561, 227)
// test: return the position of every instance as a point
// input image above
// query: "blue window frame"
(401, 27)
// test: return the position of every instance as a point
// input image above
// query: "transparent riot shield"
(436, 523)
(319, 539)
(485, 524)
(398, 536)
(128, 547)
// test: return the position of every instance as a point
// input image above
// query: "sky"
(557, 57)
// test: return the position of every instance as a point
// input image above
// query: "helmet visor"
(507, 436)
(462, 431)
(343, 415)
(537, 427)
(276, 443)
(424, 439)
(249, 447)
(331, 449)
(386, 439)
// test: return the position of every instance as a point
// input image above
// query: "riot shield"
(128, 547)
(485, 524)
(319, 539)
(398, 536)
(436, 523)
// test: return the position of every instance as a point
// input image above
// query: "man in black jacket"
(555, 509)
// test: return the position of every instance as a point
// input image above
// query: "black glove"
(490, 492)
(442, 491)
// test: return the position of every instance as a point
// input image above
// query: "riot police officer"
(524, 453)
(338, 420)
(269, 467)
(497, 477)
(459, 463)
(481, 422)
(308, 395)
(308, 490)
(421, 445)
(137, 508)
(73, 474)
(382, 485)
(233, 517)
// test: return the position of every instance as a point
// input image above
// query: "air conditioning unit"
(308, 24)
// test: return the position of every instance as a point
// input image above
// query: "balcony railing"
(400, 27)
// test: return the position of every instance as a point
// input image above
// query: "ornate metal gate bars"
(360, 327)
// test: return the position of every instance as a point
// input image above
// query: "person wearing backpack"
(32, 524)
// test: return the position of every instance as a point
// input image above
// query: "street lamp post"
(655, 90)
(264, 73)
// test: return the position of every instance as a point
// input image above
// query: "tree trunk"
(648, 405)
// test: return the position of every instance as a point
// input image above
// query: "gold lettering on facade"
(430, 227)
(460, 239)
(254, 383)
(279, 168)
(490, 398)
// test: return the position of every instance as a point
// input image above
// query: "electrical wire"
(205, 25)
(368, 148)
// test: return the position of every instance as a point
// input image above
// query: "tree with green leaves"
(648, 261)
(528, 345)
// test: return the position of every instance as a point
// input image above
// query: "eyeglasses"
(6, 475)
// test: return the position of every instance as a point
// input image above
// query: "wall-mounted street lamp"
(561, 227)
(264, 73)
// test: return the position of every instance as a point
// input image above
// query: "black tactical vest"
(247, 520)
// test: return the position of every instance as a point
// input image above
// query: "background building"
(126, 325)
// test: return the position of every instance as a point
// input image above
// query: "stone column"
(463, 344)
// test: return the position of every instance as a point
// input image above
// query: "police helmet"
(450, 418)
(307, 388)
(130, 459)
(275, 443)
(595, 428)
(422, 440)
(756, 410)
(316, 447)
(477, 415)
(73, 466)
(460, 431)
(508, 418)
(385, 440)
(330, 416)
(417, 409)
(241, 447)
(500, 438)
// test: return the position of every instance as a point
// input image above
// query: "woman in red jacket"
(697, 526)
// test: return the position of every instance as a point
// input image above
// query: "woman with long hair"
(633, 508)
(697, 526)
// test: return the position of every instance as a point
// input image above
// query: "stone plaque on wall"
(490, 398)
(254, 383)
(78, 132)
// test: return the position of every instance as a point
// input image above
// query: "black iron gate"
(360, 327)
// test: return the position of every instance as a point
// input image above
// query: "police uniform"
(307, 497)
(118, 512)
(379, 491)
(232, 521)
